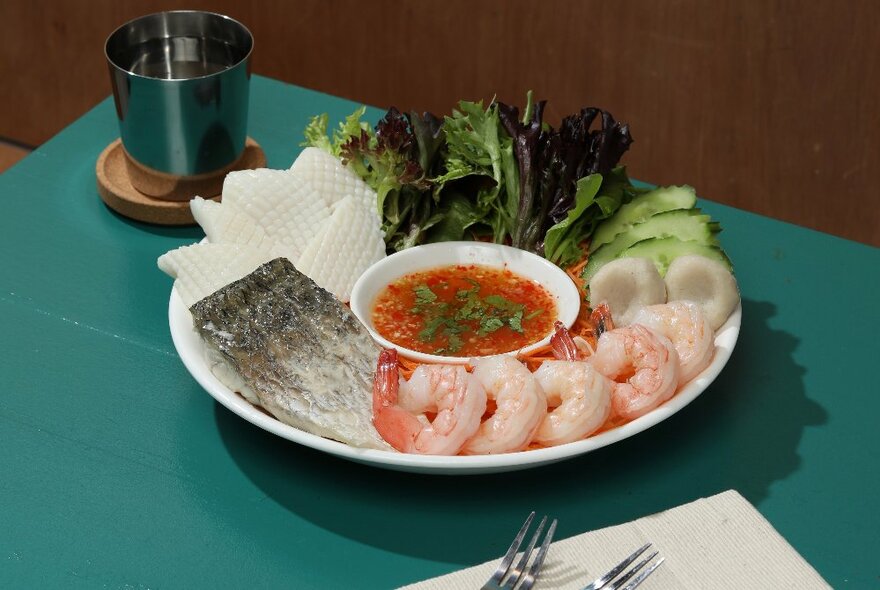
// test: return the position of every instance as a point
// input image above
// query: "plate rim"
(191, 350)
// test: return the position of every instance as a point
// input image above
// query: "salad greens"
(487, 173)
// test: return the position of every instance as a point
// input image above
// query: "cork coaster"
(114, 171)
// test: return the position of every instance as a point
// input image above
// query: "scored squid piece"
(346, 245)
(288, 208)
(225, 223)
(332, 179)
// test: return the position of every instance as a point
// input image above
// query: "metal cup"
(180, 82)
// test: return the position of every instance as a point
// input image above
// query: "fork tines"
(522, 576)
(605, 582)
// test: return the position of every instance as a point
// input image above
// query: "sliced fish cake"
(348, 243)
(289, 209)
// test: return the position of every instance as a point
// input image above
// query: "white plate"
(192, 352)
(420, 258)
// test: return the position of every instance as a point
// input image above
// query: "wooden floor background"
(771, 106)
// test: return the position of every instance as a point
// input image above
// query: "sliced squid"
(289, 208)
(344, 248)
(332, 179)
(224, 223)
(318, 214)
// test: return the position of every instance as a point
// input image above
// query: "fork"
(603, 581)
(507, 577)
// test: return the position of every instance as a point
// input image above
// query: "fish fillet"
(347, 244)
(302, 352)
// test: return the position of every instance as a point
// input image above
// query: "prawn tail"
(397, 427)
(562, 344)
(601, 319)
(386, 381)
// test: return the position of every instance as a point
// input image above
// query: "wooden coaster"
(115, 187)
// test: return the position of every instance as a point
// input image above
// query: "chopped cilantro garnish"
(515, 322)
(468, 312)
(499, 301)
(424, 294)
(534, 314)
(430, 330)
(455, 343)
(489, 325)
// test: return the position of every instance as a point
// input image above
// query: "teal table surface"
(119, 471)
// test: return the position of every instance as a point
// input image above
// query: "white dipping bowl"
(421, 258)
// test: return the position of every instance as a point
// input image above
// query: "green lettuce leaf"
(597, 197)
(474, 147)
(458, 213)
(316, 132)
(561, 244)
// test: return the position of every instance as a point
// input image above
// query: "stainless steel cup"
(180, 81)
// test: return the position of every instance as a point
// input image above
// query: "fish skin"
(305, 355)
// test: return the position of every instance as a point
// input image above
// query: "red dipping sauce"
(464, 310)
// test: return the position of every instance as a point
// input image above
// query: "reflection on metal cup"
(180, 82)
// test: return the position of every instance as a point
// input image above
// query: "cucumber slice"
(640, 209)
(684, 224)
(662, 251)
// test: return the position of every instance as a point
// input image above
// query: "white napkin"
(716, 542)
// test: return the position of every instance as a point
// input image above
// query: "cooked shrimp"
(685, 325)
(642, 363)
(399, 407)
(579, 398)
(520, 406)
